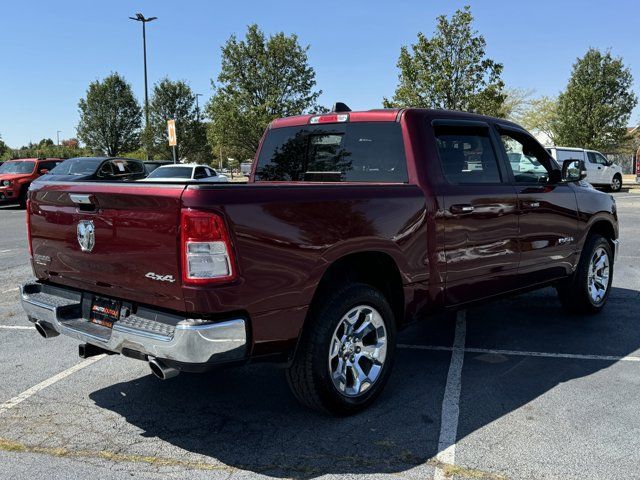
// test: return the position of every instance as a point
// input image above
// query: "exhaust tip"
(45, 330)
(161, 371)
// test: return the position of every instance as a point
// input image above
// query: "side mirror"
(573, 170)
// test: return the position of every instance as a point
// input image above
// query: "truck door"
(548, 210)
(479, 213)
(600, 166)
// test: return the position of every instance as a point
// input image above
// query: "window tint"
(528, 161)
(77, 166)
(49, 165)
(200, 172)
(17, 167)
(120, 167)
(597, 158)
(171, 172)
(349, 152)
(466, 155)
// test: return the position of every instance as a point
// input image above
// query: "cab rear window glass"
(349, 152)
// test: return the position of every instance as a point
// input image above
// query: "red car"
(17, 175)
(352, 225)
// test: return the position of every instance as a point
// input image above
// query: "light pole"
(140, 18)
(198, 105)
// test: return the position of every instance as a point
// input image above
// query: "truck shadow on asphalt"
(247, 419)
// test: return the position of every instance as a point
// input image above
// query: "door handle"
(530, 204)
(461, 208)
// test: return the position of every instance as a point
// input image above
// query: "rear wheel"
(616, 183)
(587, 290)
(346, 352)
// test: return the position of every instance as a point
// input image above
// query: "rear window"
(77, 166)
(348, 152)
(120, 168)
(171, 172)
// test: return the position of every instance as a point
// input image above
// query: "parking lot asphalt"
(512, 389)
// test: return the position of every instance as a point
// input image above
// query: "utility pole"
(198, 105)
(140, 18)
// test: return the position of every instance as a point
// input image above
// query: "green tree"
(261, 79)
(175, 100)
(541, 115)
(516, 104)
(110, 116)
(595, 108)
(4, 149)
(450, 70)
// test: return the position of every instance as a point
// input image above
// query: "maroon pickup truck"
(352, 225)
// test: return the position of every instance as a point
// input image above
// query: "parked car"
(101, 169)
(185, 172)
(151, 165)
(352, 225)
(600, 171)
(17, 175)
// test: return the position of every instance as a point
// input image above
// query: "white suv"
(600, 171)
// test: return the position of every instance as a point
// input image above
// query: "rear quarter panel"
(286, 236)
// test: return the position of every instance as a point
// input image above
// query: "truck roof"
(376, 115)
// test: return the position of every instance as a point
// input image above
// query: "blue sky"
(50, 51)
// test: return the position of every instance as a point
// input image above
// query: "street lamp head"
(140, 18)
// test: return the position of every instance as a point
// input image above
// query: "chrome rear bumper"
(148, 332)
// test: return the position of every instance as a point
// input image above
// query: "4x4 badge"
(86, 235)
(160, 278)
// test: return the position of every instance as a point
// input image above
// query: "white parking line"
(15, 327)
(47, 383)
(521, 353)
(10, 290)
(451, 402)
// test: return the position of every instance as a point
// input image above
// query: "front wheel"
(346, 352)
(616, 183)
(22, 196)
(587, 290)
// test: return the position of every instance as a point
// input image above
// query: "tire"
(22, 196)
(616, 183)
(578, 293)
(320, 376)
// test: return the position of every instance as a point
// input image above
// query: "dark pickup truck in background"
(353, 224)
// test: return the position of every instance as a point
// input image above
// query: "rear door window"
(467, 155)
(200, 172)
(349, 152)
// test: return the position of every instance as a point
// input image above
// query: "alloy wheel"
(598, 275)
(358, 351)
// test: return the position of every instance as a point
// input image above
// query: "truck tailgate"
(135, 251)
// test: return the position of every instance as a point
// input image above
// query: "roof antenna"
(340, 107)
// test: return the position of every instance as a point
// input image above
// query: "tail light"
(207, 256)
(28, 220)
